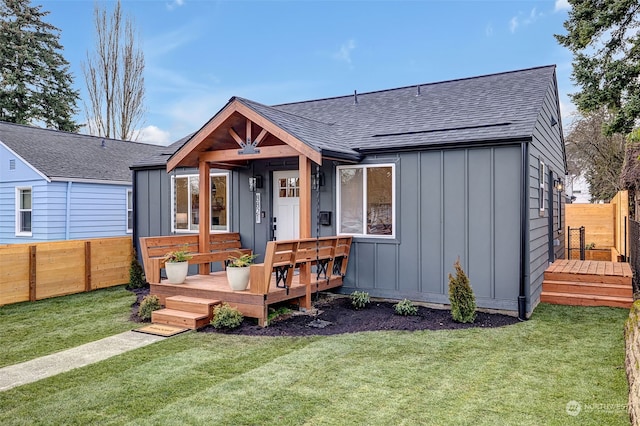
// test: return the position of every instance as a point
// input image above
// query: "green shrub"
(149, 304)
(360, 299)
(136, 274)
(275, 313)
(224, 316)
(461, 297)
(405, 308)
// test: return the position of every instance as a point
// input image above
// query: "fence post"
(582, 255)
(87, 266)
(32, 274)
(568, 242)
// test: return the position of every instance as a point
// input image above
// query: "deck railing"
(30, 272)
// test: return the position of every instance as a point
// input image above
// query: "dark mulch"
(343, 318)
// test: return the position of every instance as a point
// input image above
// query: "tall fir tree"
(35, 81)
(604, 39)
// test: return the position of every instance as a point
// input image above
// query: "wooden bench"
(221, 247)
(329, 255)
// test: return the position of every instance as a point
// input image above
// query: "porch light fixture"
(317, 180)
(255, 183)
(559, 184)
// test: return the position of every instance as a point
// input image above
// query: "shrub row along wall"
(632, 362)
(42, 270)
(604, 223)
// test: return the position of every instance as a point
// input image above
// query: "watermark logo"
(573, 408)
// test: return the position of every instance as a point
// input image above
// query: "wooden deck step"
(589, 271)
(578, 287)
(196, 305)
(180, 318)
(586, 300)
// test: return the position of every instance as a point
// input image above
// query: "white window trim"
(128, 208)
(364, 200)
(18, 210)
(542, 173)
(173, 203)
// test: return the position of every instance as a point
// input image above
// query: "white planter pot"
(176, 271)
(238, 277)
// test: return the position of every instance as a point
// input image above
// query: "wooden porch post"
(305, 196)
(205, 214)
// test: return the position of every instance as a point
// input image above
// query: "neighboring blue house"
(58, 186)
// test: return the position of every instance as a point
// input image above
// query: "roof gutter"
(458, 145)
(524, 212)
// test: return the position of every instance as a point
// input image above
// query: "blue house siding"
(60, 210)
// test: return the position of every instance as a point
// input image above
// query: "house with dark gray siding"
(59, 186)
(419, 176)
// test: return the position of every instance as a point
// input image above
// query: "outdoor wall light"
(559, 184)
(317, 180)
(255, 183)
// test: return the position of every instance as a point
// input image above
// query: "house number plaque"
(258, 208)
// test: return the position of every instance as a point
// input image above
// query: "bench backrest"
(284, 256)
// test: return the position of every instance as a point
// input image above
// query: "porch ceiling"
(216, 141)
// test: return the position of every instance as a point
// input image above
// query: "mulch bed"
(343, 318)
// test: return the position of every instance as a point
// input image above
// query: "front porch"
(252, 304)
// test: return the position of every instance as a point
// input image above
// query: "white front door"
(286, 205)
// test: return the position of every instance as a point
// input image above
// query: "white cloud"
(174, 4)
(562, 5)
(344, 53)
(152, 135)
(513, 24)
(524, 20)
(488, 30)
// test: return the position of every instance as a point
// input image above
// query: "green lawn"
(521, 374)
(32, 329)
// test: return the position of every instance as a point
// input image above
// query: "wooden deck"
(215, 287)
(588, 283)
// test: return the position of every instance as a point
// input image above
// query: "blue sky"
(199, 53)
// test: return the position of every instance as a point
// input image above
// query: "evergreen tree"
(35, 82)
(461, 297)
(604, 38)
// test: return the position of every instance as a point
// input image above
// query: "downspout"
(67, 226)
(524, 190)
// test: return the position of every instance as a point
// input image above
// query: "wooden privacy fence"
(30, 272)
(605, 224)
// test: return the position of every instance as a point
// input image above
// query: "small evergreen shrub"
(224, 316)
(149, 304)
(461, 297)
(360, 299)
(136, 274)
(405, 308)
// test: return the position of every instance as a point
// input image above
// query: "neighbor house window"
(541, 175)
(366, 200)
(129, 210)
(23, 212)
(186, 203)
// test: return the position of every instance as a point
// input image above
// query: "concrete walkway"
(50, 365)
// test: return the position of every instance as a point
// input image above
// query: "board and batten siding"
(547, 145)
(449, 204)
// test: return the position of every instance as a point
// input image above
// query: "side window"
(23, 212)
(186, 203)
(541, 177)
(129, 210)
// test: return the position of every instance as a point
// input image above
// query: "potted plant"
(176, 263)
(238, 271)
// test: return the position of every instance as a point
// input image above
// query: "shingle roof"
(493, 107)
(65, 155)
